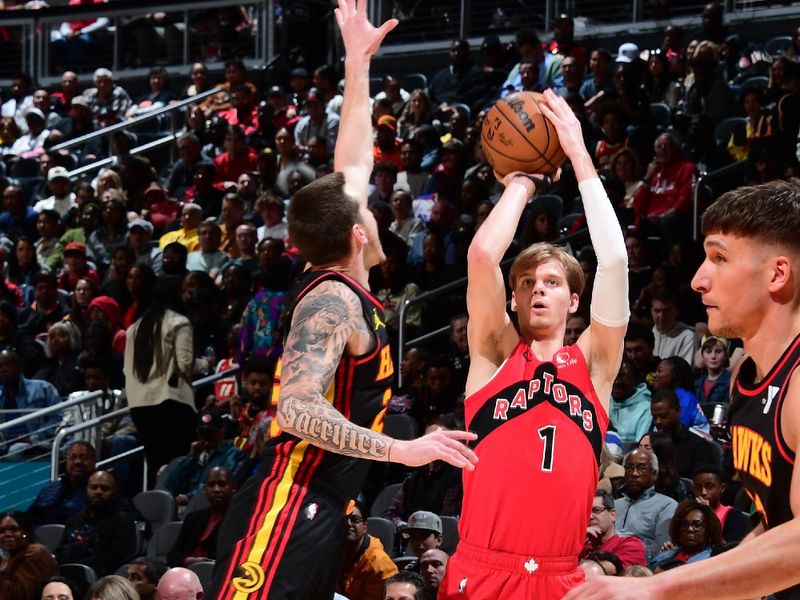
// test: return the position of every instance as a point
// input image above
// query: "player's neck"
(771, 339)
(544, 344)
(352, 268)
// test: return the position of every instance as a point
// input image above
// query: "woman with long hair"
(24, 563)
(112, 587)
(418, 111)
(158, 366)
(22, 262)
(85, 291)
(138, 284)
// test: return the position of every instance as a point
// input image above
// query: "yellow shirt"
(190, 239)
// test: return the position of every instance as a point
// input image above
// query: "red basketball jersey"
(540, 430)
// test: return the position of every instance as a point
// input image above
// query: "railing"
(447, 288)
(130, 44)
(26, 463)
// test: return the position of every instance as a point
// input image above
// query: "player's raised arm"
(323, 323)
(353, 153)
(602, 342)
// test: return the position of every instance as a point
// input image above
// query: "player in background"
(539, 408)
(749, 283)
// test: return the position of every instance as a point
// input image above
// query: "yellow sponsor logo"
(377, 320)
(251, 580)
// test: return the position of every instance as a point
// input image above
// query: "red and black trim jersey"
(360, 390)
(761, 456)
(540, 430)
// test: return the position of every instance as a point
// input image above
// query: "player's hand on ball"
(441, 444)
(566, 123)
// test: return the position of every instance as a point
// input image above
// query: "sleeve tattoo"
(322, 324)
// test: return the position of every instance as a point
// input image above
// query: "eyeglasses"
(355, 519)
(596, 510)
(695, 525)
(641, 469)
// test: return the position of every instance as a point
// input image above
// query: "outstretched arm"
(353, 155)
(324, 322)
(602, 342)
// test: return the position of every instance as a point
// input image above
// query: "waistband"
(507, 561)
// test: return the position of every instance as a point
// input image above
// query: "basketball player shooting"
(749, 285)
(539, 408)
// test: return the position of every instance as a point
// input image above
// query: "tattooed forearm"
(322, 324)
(324, 426)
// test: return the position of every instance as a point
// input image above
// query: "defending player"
(749, 285)
(539, 408)
(283, 533)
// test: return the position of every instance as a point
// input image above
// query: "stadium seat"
(163, 540)
(198, 502)
(123, 570)
(449, 534)
(163, 472)
(49, 535)
(157, 507)
(777, 45)
(384, 499)
(385, 531)
(400, 427)
(728, 127)
(82, 576)
(204, 570)
(414, 81)
(565, 223)
(463, 109)
(661, 115)
(759, 82)
(403, 561)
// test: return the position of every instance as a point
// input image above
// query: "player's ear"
(780, 275)
(574, 300)
(359, 233)
(513, 302)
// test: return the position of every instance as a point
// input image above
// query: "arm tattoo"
(322, 324)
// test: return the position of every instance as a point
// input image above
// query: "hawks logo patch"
(252, 578)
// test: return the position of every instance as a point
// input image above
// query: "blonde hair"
(637, 571)
(112, 587)
(536, 254)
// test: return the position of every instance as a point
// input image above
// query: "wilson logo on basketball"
(518, 106)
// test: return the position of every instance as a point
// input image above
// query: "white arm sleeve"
(610, 292)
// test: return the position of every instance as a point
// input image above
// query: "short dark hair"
(609, 557)
(321, 218)
(667, 397)
(639, 331)
(666, 296)
(51, 215)
(177, 247)
(239, 64)
(234, 198)
(423, 591)
(527, 36)
(769, 212)
(682, 376)
(154, 569)
(259, 364)
(385, 167)
(234, 130)
(608, 499)
(58, 579)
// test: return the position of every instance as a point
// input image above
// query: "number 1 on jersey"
(548, 435)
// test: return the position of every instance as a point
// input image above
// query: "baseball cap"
(445, 169)
(211, 418)
(275, 90)
(627, 53)
(80, 101)
(57, 173)
(298, 72)
(75, 247)
(388, 121)
(35, 112)
(142, 223)
(423, 519)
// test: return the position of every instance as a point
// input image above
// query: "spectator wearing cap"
(317, 123)
(244, 109)
(211, 449)
(187, 235)
(284, 114)
(237, 158)
(30, 144)
(460, 82)
(197, 539)
(299, 85)
(140, 237)
(387, 146)
(209, 258)
(75, 267)
(628, 57)
(366, 565)
(107, 310)
(79, 123)
(107, 98)
(422, 532)
(17, 218)
(62, 199)
(548, 65)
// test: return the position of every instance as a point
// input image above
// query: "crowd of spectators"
(152, 274)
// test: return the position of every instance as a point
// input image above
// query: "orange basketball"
(516, 136)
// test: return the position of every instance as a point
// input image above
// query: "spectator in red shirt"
(601, 535)
(69, 89)
(237, 158)
(387, 145)
(664, 202)
(75, 267)
(244, 110)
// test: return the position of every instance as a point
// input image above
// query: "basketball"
(516, 136)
